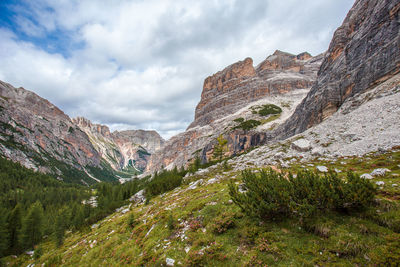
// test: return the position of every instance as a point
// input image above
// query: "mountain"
(237, 93)
(123, 150)
(40, 136)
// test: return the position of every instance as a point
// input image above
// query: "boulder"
(367, 176)
(322, 168)
(301, 145)
(139, 197)
(380, 172)
(169, 262)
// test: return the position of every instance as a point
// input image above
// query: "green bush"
(238, 120)
(247, 125)
(273, 195)
(269, 109)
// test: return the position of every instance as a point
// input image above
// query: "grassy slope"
(216, 233)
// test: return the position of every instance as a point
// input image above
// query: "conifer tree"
(14, 227)
(32, 227)
(3, 233)
(60, 227)
(220, 148)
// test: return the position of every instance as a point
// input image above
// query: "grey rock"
(322, 168)
(195, 184)
(380, 183)
(169, 262)
(367, 176)
(380, 172)
(301, 145)
(139, 197)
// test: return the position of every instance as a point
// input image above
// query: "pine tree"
(3, 233)
(60, 227)
(14, 227)
(32, 227)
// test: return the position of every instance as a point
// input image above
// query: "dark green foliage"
(171, 222)
(271, 195)
(62, 204)
(14, 227)
(3, 232)
(247, 125)
(163, 182)
(131, 220)
(238, 120)
(60, 227)
(38, 252)
(269, 109)
(32, 227)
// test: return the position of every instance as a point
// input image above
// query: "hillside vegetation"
(198, 224)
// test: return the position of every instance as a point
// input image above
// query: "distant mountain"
(123, 150)
(40, 136)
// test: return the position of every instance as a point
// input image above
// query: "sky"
(140, 64)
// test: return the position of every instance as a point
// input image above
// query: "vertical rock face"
(121, 149)
(364, 52)
(34, 132)
(239, 84)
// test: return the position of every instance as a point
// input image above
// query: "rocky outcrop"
(37, 134)
(363, 53)
(121, 149)
(239, 84)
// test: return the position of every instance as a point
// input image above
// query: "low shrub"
(247, 125)
(222, 223)
(269, 109)
(273, 195)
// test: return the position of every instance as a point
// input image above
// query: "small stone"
(366, 176)
(322, 168)
(380, 183)
(170, 262)
(394, 185)
(337, 170)
(212, 181)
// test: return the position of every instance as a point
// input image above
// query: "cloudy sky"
(140, 64)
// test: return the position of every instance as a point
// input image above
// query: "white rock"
(193, 185)
(380, 183)
(169, 262)
(124, 210)
(366, 176)
(212, 181)
(379, 172)
(337, 170)
(302, 145)
(394, 185)
(322, 168)
(139, 197)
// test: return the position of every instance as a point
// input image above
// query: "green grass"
(368, 238)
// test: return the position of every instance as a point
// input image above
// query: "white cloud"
(141, 64)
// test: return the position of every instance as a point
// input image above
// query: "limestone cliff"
(364, 52)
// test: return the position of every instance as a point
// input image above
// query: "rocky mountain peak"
(97, 128)
(240, 83)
